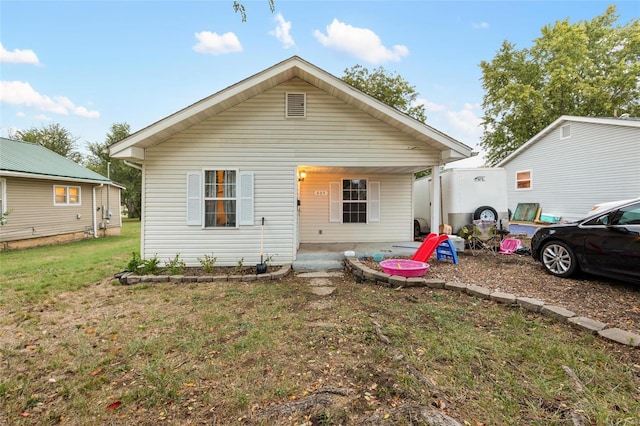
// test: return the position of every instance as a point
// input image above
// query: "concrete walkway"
(330, 256)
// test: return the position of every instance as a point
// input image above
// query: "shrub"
(175, 266)
(208, 262)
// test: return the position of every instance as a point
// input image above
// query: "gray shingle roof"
(33, 159)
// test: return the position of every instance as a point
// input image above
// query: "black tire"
(416, 229)
(558, 259)
(485, 213)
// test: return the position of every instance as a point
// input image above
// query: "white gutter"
(61, 178)
(134, 165)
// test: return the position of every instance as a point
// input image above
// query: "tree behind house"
(590, 68)
(99, 161)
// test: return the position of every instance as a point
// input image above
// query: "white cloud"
(466, 126)
(467, 123)
(43, 117)
(282, 32)
(430, 106)
(21, 114)
(480, 26)
(214, 44)
(361, 43)
(21, 93)
(18, 56)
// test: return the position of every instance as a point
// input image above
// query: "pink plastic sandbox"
(404, 267)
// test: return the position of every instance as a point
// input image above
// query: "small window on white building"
(565, 131)
(523, 180)
(66, 195)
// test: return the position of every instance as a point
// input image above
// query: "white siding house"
(574, 163)
(320, 161)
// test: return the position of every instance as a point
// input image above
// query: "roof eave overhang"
(132, 148)
(10, 173)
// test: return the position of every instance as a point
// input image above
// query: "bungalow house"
(46, 198)
(575, 163)
(288, 156)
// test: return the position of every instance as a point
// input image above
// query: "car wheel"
(558, 259)
(485, 213)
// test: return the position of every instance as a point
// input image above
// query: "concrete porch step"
(324, 264)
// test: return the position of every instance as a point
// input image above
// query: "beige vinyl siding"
(395, 210)
(597, 163)
(256, 137)
(33, 215)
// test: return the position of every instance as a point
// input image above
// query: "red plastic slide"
(428, 246)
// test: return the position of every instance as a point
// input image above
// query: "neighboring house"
(49, 199)
(575, 163)
(318, 160)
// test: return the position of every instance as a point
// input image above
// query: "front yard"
(78, 348)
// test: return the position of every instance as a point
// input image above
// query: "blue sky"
(89, 64)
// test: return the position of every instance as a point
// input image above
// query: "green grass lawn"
(78, 349)
(36, 273)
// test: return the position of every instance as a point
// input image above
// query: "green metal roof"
(33, 159)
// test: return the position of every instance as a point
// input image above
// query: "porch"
(329, 256)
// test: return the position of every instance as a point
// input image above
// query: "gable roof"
(27, 159)
(132, 147)
(622, 121)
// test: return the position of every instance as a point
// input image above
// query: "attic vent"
(565, 131)
(296, 105)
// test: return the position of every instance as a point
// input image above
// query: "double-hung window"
(220, 198)
(354, 201)
(66, 195)
(523, 180)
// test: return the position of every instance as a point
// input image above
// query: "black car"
(606, 243)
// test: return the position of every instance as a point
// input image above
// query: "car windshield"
(628, 215)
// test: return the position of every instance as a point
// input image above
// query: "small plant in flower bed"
(175, 266)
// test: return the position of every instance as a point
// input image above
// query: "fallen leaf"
(96, 371)
(114, 405)
(25, 414)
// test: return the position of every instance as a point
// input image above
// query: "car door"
(612, 243)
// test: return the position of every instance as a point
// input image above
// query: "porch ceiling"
(362, 170)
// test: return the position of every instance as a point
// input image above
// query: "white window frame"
(67, 197)
(235, 198)
(530, 180)
(336, 201)
(196, 201)
(565, 131)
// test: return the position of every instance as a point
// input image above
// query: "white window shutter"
(245, 200)
(194, 194)
(335, 195)
(374, 201)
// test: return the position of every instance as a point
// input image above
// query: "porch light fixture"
(301, 176)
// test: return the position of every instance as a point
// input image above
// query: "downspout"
(95, 207)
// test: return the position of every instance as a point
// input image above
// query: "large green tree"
(590, 68)
(389, 88)
(130, 177)
(54, 137)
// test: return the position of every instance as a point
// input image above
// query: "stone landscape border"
(361, 272)
(128, 278)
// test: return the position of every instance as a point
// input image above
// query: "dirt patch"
(614, 303)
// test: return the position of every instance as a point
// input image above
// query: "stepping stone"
(320, 274)
(322, 291)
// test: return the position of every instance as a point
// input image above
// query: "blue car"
(605, 243)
